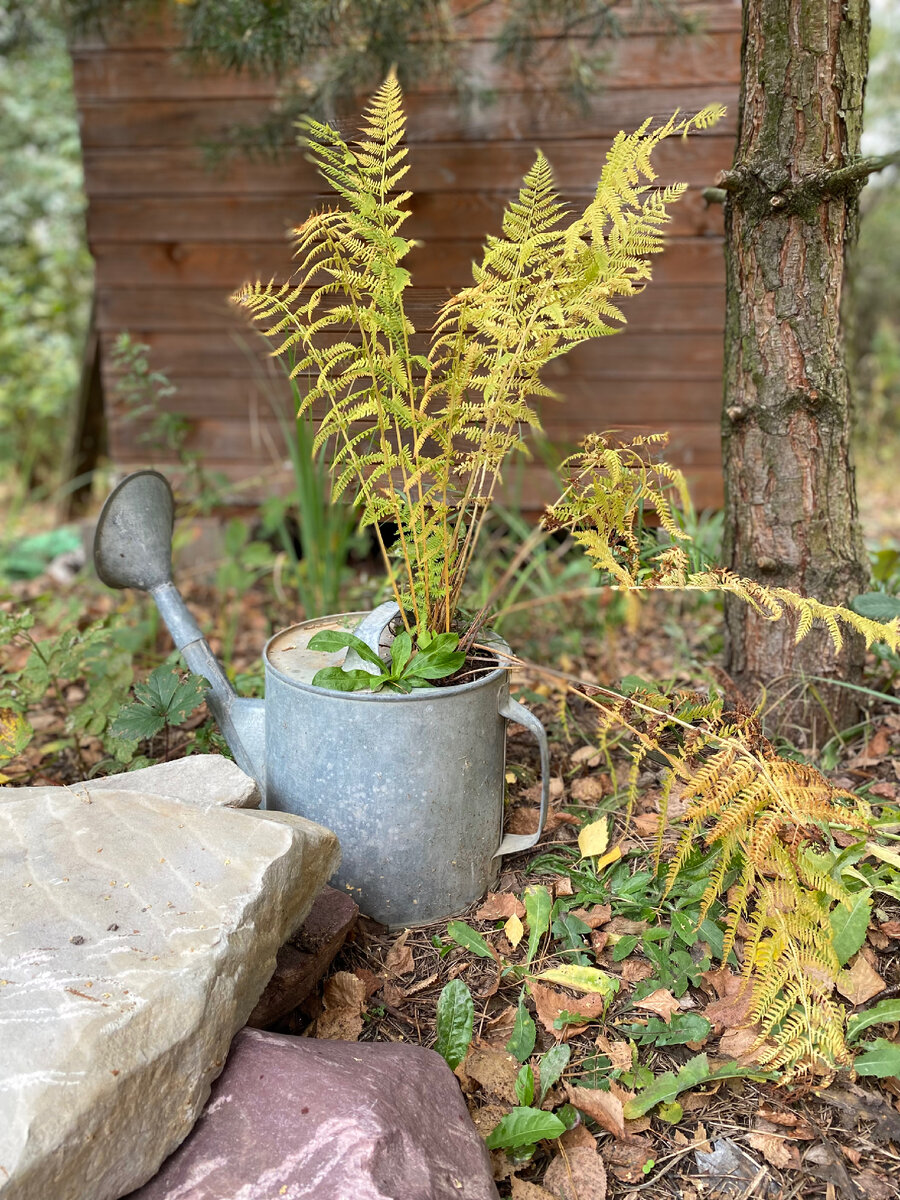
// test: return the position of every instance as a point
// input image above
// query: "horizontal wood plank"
(638, 60)
(541, 115)
(171, 239)
(589, 404)
(436, 216)
(528, 487)
(437, 264)
(661, 306)
(258, 436)
(158, 31)
(477, 163)
(631, 354)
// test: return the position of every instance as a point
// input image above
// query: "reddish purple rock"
(301, 1119)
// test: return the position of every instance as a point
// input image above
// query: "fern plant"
(767, 819)
(609, 490)
(423, 438)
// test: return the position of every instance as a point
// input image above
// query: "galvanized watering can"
(413, 785)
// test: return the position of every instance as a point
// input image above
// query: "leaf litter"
(834, 1139)
(639, 1102)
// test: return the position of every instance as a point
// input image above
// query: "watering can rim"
(416, 695)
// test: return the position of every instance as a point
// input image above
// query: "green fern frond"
(761, 815)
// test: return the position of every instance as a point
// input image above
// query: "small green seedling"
(164, 701)
(434, 658)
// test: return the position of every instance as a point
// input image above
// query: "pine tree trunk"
(791, 513)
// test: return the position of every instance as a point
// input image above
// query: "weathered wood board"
(172, 239)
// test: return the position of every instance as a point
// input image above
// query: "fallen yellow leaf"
(594, 838)
(581, 979)
(607, 859)
(514, 929)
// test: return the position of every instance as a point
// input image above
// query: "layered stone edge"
(295, 886)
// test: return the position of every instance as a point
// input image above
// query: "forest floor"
(596, 994)
(674, 1015)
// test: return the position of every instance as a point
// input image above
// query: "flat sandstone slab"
(300, 1119)
(136, 935)
(204, 779)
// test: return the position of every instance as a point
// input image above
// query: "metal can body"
(412, 785)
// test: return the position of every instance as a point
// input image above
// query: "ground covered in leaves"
(597, 1000)
(658, 1077)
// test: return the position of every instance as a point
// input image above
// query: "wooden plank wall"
(171, 239)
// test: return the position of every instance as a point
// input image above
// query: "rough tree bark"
(791, 203)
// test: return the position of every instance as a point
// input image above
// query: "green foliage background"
(45, 269)
(875, 326)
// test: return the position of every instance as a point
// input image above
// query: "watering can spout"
(133, 548)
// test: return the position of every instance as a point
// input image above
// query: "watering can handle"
(513, 711)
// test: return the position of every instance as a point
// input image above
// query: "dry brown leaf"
(371, 981)
(522, 1190)
(593, 917)
(522, 819)
(640, 1125)
(392, 995)
(557, 788)
(491, 987)
(800, 1128)
(636, 969)
(343, 998)
(723, 982)
(563, 886)
(499, 906)
(549, 1003)
(692, 1102)
(875, 1187)
(577, 1174)
(589, 755)
(731, 1010)
(891, 929)
(578, 1135)
(661, 1002)
(598, 941)
(624, 925)
(506, 1018)
(869, 955)
(627, 1160)
(501, 1167)
(618, 1053)
(421, 984)
(602, 1107)
(860, 983)
(776, 1151)
(587, 790)
(556, 818)
(495, 1071)
(876, 749)
(399, 960)
(645, 824)
(885, 790)
(739, 1044)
